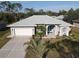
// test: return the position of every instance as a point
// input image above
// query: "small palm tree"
(40, 30)
(38, 47)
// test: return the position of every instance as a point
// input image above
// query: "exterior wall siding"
(56, 29)
(65, 32)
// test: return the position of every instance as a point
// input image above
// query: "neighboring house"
(26, 27)
(76, 23)
(60, 17)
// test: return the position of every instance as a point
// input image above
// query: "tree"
(36, 48)
(77, 13)
(70, 16)
(10, 11)
(62, 12)
(41, 12)
(7, 6)
(29, 11)
(49, 13)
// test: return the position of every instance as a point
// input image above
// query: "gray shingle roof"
(38, 19)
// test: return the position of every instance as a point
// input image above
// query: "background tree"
(77, 13)
(70, 16)
(41, 12)
(62, 12)
(29, 11)
(10, 11)
(49, 13)
(8, 7)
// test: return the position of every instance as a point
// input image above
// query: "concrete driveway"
(14, 48)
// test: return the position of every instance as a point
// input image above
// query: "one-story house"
(26, 27)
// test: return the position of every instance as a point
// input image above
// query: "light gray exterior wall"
(64, 31)
(59, 30)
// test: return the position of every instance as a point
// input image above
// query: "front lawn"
(3, 37)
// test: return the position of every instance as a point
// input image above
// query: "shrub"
(36, 48)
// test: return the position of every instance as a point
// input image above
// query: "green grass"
(3, 32)
(3, 37)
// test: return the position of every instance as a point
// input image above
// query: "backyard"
(67, 47)
(3, 37)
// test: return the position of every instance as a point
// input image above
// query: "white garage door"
(24, 31)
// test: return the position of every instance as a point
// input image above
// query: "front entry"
(50, 28)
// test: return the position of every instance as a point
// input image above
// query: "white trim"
(46, 29)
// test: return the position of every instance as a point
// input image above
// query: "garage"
(22, 31)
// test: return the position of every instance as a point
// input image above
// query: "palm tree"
(17, 6)
(29, 11)
(10, 11)
(10, 7)
(37, 47)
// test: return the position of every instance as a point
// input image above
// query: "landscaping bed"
(65, 48)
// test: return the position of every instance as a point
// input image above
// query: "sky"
(50, 5)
